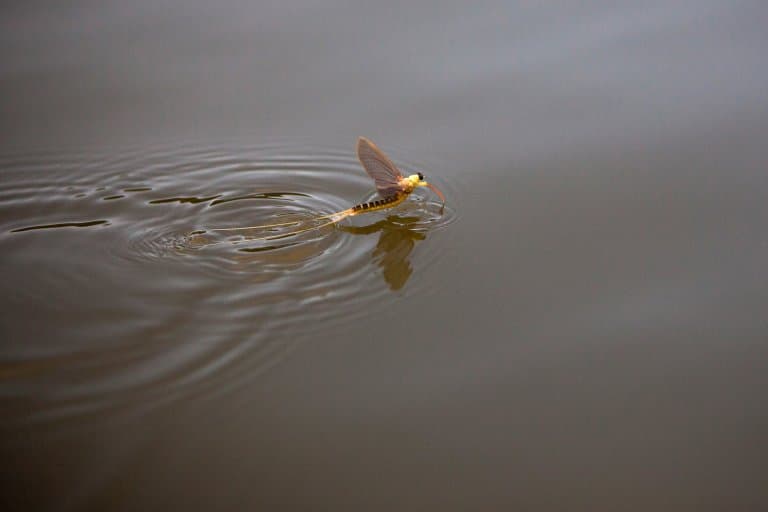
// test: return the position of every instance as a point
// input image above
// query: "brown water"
(583, 328)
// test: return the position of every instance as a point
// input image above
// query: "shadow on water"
(398, 235)
(397, 238)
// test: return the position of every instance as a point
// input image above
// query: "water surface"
(583, 328)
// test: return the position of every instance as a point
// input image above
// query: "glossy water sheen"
(583, 328)
(168, 308)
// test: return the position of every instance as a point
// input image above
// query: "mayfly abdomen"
(375, 204)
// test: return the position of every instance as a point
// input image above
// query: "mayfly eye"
(421, 176)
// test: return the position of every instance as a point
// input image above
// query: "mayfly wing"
(379, 167)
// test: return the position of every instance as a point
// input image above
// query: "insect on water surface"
(392, 186)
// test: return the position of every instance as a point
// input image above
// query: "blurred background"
(586, 331)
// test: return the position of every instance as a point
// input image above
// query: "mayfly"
(392, 186)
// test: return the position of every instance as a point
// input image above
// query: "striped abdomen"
(379, 204)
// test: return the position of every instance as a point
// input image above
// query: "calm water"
(583, 328)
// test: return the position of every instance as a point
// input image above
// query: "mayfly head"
(419, 181)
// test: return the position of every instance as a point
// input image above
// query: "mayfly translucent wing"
(389, 183)
(379, 167)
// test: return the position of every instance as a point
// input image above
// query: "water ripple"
(149, 305)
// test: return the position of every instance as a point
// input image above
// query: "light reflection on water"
(397, 239)
(227, 306)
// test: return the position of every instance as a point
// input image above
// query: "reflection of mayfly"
(393, 187)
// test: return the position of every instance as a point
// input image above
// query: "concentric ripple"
(145, 303)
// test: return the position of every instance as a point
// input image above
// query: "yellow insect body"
(393, 188)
